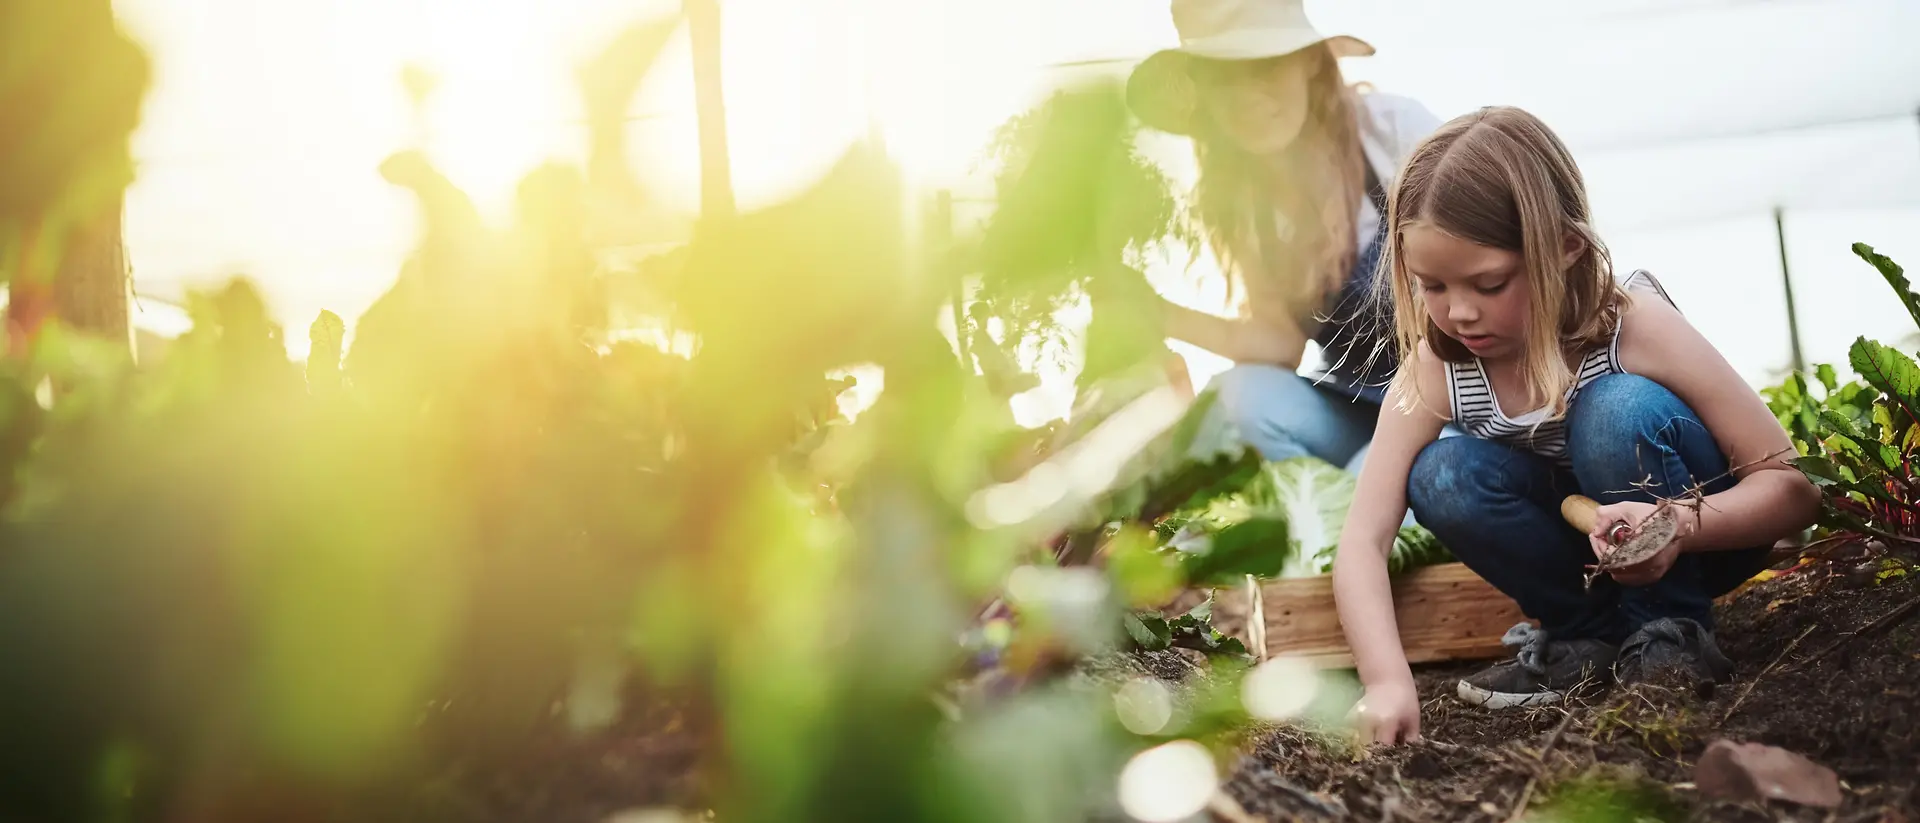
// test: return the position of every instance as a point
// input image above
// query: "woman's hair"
(1317, 182)
(1500, 178)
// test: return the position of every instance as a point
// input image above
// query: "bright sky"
(1692, 119)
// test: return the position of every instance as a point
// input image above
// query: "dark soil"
(1620, 756)
(1629, 754)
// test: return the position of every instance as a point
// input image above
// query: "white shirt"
(1392, 127)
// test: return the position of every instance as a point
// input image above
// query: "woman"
(1293, 168)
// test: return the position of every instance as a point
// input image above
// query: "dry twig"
(1899, 613)
(1224, 807)
(1526, 792)
(1764, 672)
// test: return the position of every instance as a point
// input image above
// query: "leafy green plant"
(1075, 200)
(1151, 631)
(1286, 522)
(1859, 441)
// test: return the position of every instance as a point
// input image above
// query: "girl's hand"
(1648, 571)
(1389, 713)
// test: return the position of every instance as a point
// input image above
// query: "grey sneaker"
(1543, 671)
(1675, 652)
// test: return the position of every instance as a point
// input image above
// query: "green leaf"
(1883, 420)
(1890, 371)
(1414, 547)
(1894, 276)
(1889, 456)
(1843, 472)
(1827, 377)
(1194, 630)
(1840, 424)
(1821, 471)
(1149, 631)
(1313, 496)
(1258, 546)
(1855, 443)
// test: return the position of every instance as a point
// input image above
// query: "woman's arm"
(1275, 341)
(1360, 587)
(1771, 499)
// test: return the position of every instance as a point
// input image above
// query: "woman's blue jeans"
(1284, 415)
(1498, 509)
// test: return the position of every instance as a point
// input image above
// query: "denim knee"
(1248, 392)
(1627, 429)
(1448, 482)
(1283, 415)
(1620, 408)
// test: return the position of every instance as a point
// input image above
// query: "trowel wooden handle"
(1581, 512)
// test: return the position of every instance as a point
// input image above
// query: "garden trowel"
(1630, 546)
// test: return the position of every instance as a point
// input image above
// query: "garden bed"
(1628, 755)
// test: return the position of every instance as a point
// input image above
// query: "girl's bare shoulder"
(1425, 374)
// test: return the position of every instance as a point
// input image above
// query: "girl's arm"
(1391, 710)
(1771, 499)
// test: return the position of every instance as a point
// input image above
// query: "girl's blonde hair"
(1317, 182)
(1500, 178)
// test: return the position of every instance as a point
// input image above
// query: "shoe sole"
(1487, 698)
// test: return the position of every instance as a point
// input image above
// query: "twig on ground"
(1526, 796)
(1764, 672)
(1526, 792)
(1224, 807)
(1318, 803)
(1554, 738)
(1884, 621)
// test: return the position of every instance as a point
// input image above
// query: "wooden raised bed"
(1445, 612)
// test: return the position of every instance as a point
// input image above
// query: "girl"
(1511, 324)
(1291, 201)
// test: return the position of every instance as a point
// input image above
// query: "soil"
(1804, 682)
(1629, 754)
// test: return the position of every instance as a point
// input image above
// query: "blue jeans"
(1498, 509)
(1283, 415)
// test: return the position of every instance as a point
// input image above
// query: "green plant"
(1078, 206)
(1859, 441)
(1286, 522)
(1151, 631)
(229, 591)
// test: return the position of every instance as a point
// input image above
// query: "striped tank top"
(1477, 410)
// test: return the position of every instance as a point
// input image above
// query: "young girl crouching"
(1512, 325)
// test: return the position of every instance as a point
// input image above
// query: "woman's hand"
(1389, 713)
(1645, 572)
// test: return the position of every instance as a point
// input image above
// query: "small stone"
(1747, 772)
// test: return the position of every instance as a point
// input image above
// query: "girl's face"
(1476, 294)
(1261, 105)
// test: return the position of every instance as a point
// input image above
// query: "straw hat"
(1161, 90)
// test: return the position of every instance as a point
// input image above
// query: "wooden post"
(716, 174)
(1786, 280)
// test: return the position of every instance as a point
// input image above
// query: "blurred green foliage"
(235, 587)
(71, 86)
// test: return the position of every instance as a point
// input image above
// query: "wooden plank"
(1445, 612)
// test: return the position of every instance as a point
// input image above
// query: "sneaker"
(1676, 652)
(1543, 671)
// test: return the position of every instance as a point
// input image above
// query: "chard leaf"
(1890, 371)
(1894, 276)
